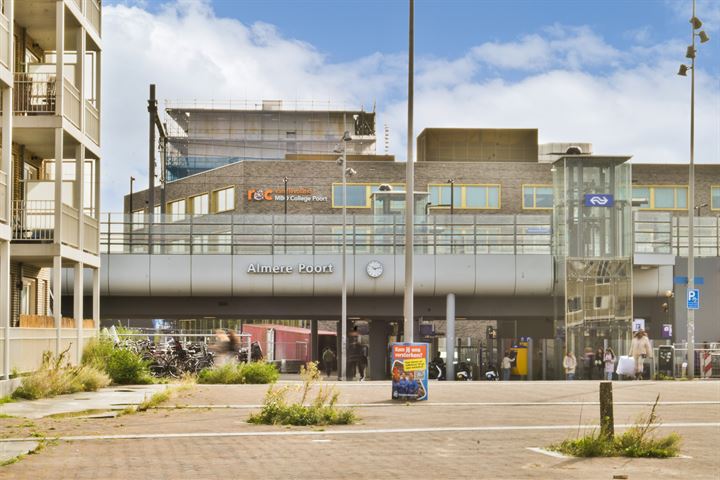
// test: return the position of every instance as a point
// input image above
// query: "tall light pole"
(410, 187)
(343, 314)
(132, 180)
(695, 25)
(285, 181)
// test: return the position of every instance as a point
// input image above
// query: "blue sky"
(601, 71)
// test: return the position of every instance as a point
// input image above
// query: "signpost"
(410, 371)
(693, 299)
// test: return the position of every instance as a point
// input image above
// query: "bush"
(56, 377)
(123, 366)
(322, 411)
(237, 373)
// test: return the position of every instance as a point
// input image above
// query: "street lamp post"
(343, 314)
(452, 195)
(695, 25)
(132, 180)
(285, 181)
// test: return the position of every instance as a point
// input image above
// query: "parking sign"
(693, 299)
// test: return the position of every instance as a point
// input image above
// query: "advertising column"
(409, 371)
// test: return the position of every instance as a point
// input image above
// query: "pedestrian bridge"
(278, 256)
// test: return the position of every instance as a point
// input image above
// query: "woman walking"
(569, 363)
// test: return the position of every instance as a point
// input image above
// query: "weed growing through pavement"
(637, 441)
(321, 411)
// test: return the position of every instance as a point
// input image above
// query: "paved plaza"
(466, 430)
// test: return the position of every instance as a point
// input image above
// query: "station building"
(502, 221)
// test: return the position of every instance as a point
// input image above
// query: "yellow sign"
(414, 364)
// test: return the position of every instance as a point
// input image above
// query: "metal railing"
(3, 197)
(322, 234)
(654, 233)
(263, 105)
(33, 220)
(34, 94)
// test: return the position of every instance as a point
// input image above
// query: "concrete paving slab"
(114, 398)
(10, 450)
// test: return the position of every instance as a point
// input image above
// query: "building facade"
(50, 70)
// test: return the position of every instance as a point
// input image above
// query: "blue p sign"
(693, 299)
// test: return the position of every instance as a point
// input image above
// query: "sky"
(598, 71)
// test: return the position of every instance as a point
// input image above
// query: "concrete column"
(96, 297)
(57, 299)
(450, 337)
(314, 341)
(5, 304)
(78, 297)
(378, 350)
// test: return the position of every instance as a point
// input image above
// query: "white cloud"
(636, 105)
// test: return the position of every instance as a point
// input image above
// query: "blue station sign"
(599, 200)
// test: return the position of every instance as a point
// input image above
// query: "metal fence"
(323, 234)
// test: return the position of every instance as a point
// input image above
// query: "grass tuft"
(321, 411)
(635, 442)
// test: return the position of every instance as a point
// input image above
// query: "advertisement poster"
(409, 371)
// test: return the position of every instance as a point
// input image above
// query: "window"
(465, 196)
(537, 197)
(715, 198)
(157, 211)
(662, 197)
(224, 199)
(138, 219)
(358, 194)
(199, 204)
(176, 209)
(28, 296)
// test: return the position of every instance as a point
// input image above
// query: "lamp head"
(346, 136)
(350, 172)
(337, 149)
(690, 52)
(704, 37)
(696, 23)
(683, 70)
(339, 161)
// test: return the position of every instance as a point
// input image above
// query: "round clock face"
(374, 269)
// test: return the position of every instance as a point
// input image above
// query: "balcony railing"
(92, 122)
(3, 197)
(93, 12)
(4, 40)
(34, 221)
(34, 94)
(71, 102)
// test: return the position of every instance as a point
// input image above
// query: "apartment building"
(50, 67)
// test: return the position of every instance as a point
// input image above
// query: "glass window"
(475, 197)
(493, 197)
(157, 211)
(199, 204)
(662, 197)
(357, 196)
(176, 209)
(715, 198)
(537, 196)
(138, 219)
(225, 199)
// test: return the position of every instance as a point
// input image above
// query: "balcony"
(34, 222)
(4, 40)
(35, 94)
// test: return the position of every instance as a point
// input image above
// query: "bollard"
(607, 419)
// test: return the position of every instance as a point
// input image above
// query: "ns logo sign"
(599, 200)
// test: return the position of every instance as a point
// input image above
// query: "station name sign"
(304, 195)
(303, 268)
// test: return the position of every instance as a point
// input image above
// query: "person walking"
(569, 364)
(328, 358)
(362, 362)
(640, 349)
(600, 363)
(506, 366)
(609, 360)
